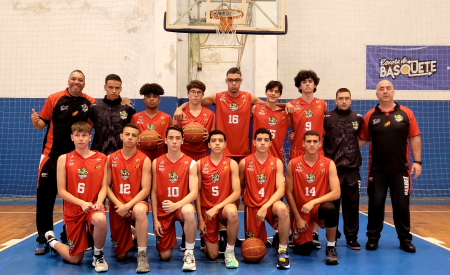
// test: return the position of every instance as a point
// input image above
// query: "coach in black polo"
(388, 127)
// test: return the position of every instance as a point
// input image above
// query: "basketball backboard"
(200, 16)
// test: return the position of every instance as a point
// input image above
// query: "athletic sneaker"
(99, 262)
(51, 238)
(42, 249)
(332, 257)
(316, 243)
(142, 260)
(223, 239)
(283, 259)
(353, 244)
(268, 244)
(291, 244)
(202, 243)
(276, 241)
(189, 260)
(230, 260)
(183, 243)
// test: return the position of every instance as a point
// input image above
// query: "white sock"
(51, 243)
(142, 249)
(190, 246)
(275, 231)
(230, 247)
(283, 246)
(331, 243)
(97, 251)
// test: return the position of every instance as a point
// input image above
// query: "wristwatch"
(418, 162)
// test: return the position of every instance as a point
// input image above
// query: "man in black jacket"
(342, 127)
(109, 117)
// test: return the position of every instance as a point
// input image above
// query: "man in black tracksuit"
(342, 127)
(392, 130)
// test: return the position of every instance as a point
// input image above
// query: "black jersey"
(341, 138)
(109, 118)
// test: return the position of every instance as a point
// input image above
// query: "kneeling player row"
(86, 178)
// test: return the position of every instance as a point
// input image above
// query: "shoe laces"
(42, 245)
(282, 255)
(229, 256)
(189, 257)
(99, 258)
(332, 252)
(142, 256)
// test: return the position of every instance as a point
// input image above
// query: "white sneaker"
(99, 263)
(189, 261)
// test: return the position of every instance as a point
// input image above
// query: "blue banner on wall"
(409, 67)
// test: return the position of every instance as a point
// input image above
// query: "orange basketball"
(149, 140)
(193, 132)
(253, 250)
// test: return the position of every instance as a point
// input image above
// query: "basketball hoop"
(226, 23)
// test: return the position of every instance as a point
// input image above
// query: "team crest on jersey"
(309, 113)
(355, 125)
(123, 115)
(125, 174)
(151, 127)
(262, 178)
(273, 121)
(83, 173)
(376, 121)
(398, 118)
(216, 177)
(173, 177)
(70, 244)
(84, 108)
(311, 178)
(387, 124)
(114, 244)
(234, 107)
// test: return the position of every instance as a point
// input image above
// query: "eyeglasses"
(237, 80)
(192, 92)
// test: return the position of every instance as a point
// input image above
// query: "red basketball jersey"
(260, 180)
(84, 179)
(277, 122)
(233, 118)
(172, 180)
(310, 182)
(216, 181)
(307, 116)
(126, 175)
(205, 118)
(159, 123)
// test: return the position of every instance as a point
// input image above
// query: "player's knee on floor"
(304, 249)
(166, 255)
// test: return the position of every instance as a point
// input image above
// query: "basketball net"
(226, 25)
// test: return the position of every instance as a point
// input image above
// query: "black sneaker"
(332, 257)
(42, 249)
(353, 244)
(268, 244)
(183, 243)
(291, 244)
(372, 244)
(283, 259)
(238, 243)
(276, 241)
(316, 243)
(223, 240)
(202, 243)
